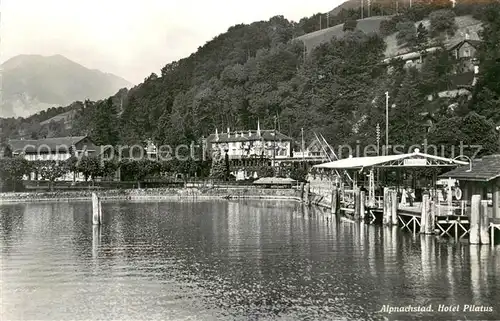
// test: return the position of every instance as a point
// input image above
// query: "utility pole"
(303, 145)
(378, 139)
(328, 19)
(378, 151)
(397, 6)
(387, 122)
(320, 15)
(369, 8)
(362, 9)
(274, 146)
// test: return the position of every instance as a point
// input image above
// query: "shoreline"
(153, 194)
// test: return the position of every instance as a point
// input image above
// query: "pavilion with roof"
(396, 162)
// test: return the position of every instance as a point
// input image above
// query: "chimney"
(228, 133)
(216, 134)
(258, 127)
(249, 133)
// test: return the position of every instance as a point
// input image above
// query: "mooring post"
(475, 220)
(387, 207)
(484, 224)
(362, 201)
(96, 209)
(423, 216)
(496, 201)
(394, 208)
(335, 200)
(357, 203)
(307, 191)
(431, 219)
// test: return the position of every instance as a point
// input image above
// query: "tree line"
(257, 72)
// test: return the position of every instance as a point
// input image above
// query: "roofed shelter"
(405, 161)
(415, 159)
(481, 178)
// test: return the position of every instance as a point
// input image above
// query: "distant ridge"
(32, 83)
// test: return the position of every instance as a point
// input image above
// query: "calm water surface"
(224, 260)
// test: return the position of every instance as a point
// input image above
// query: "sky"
(131, 38)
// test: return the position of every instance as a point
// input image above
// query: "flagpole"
(387, 122)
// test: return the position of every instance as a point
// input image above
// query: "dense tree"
(486, 99)
(443, 22)
(51, 170)
(422, 37)
(12, 170)
(407, 33)
(90, 167)
(350, 25)
(105, 131)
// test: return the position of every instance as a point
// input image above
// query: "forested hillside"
(256, 72)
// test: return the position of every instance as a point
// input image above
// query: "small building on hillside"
(465, 53)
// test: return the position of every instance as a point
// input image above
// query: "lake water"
(230, 260)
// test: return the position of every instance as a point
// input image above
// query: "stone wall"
(155, 194)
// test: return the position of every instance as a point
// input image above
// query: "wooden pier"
(469, 216)
(427, 217)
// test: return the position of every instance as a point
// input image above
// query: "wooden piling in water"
(100, 211)
(475, 220)
(424, 217)
(394, 207)
(387, 212)
(431, 220)
(307, 192)
(484, 223)
(357, 203)
(96, 210)
(335, 200)
(362, 200)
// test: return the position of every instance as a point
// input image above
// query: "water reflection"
(227, 260)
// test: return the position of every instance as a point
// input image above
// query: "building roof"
(415, 159)
(246, 136)
(411, 55)
(472, 42)
(274, 181)
(44, 145)
(482, 170)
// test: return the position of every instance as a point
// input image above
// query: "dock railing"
(458, 208)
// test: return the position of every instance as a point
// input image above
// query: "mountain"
(32, 83)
